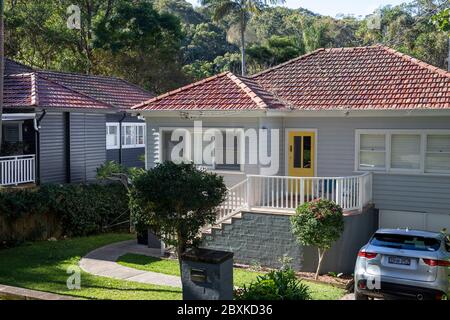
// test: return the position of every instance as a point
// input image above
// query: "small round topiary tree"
(318, 223)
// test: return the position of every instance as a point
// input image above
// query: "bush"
(80, 209)
(318, 223)
(175, 201)
(276, 285)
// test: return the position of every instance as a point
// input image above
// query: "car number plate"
(400, 260)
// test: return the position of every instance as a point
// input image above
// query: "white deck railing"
(16, 170)
(236, 201)
(287, 192)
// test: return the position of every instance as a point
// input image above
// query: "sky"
(335, 7)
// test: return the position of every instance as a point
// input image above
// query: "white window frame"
(135, 125)
(191, 130)
(119, 137)
(116, 125)
(423, 133)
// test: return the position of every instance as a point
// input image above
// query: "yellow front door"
(301, 153)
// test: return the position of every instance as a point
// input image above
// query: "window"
(223, 157)
(112, 136)
(409, 151)
(438, 153)
(12, 131)
(405, 151)
(133, 135)
(372, 152)
(230, 152)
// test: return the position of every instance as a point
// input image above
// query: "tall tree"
(442, 21)
(240, 11)
(2, 66)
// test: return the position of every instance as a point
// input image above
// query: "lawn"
(241, 276)
(43, 266)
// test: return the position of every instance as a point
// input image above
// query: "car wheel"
(360, 296)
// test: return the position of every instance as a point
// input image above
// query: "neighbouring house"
(60, 127)
(366, 127)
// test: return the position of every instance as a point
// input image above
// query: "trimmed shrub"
(276, 285)
(318, 223)
(81, 209)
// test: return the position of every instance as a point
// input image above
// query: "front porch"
(18, 152)
(283, 194)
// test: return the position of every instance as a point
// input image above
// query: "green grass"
(43, 266)
(241, 276)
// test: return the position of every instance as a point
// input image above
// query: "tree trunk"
(321, 255)
(2, 65)
(181, 247)
(242, 30)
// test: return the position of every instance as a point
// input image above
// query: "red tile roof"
(361, 78)
(27, 87)
(31, 90)
(358, 78)
(224, 91)
(113, 91)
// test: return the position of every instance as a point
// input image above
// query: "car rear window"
(407, 242)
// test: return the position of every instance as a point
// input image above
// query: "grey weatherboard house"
(60, 127)
(366, 127)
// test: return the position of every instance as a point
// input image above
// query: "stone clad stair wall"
(263, 238)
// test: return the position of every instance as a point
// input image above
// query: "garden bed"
(243, 275)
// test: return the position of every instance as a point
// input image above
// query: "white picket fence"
(287, 193)
(16, 170)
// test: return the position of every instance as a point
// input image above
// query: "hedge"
(80, 209)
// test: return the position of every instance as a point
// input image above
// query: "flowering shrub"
(318, 223)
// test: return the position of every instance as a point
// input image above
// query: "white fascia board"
(199, 114)
(18, 116)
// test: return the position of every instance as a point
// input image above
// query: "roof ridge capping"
(416, 61)
(288, 62)
(183, 88)
(244, 87)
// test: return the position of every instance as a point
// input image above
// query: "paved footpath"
(102, 262)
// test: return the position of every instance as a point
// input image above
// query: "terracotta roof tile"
(31, 90)
(358, 78)
(113, 91)
(362, 78)
(224, 91)
(67, 90)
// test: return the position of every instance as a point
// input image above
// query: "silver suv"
(405, 264)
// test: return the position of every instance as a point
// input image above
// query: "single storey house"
(366, 127)
(60, 127)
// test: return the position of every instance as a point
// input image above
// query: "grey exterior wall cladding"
(336, 154)
(87, 140)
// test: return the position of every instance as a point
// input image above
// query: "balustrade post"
(302, 191)
(249, 192)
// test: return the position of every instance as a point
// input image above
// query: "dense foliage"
(276, 285)
(80, 209)
(318, 223)
(161, 44)
(176, 200)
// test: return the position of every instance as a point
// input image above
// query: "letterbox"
(207, 274)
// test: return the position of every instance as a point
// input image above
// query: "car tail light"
(367, 255)
(436, 263)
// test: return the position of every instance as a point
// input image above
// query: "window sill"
(236, 172)
(425, 174)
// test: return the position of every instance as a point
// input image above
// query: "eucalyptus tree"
(239, 11)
